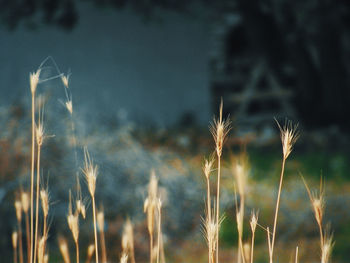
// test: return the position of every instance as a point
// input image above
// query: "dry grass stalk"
(289, 135)
(90, 252)
(63, 246)
(40, 135)
(149, 207)
(101, 227)
(34, 80)
(296, 254)
(90, 172)
(247, 250)
(253, 223)
(25, 205)
(128, 240)
(219, 129)
(18, 207)
(14, 238)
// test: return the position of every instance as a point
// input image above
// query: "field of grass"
(103, 193)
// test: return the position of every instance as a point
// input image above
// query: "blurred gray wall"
(120, 65)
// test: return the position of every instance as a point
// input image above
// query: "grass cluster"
(34, 203)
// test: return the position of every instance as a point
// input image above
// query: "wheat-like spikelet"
(69, 106)
(90, 252)
(25, 200)
(63, 246)
(124, 258)
(90, 172)
(289, 135)
(65, 80)
(41, 249)
(318, 205)
(14, 238)
(34, 80)
(128, 240)
(18, 207)
(253, 223)
(44, 196)
(73, 224)
(327, 247)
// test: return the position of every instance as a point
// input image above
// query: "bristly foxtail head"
(289, 135)
(208, 166)
(90, 172)
(124, 258)
(327, 247)
(44, 196)
(254, 220)
(219, 128)
(14, 239)
(34, 80)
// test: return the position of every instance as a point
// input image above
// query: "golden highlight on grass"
(90, 253)
(63, 246)
(14, 238)
(25, 200)
(101, 228)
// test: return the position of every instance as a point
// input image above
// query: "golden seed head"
(65, 80)
(128, 236)
(219, 128)
(62, 242)
(326, 248)
(14, 239)
(289, 135)
(18, 207)
(39, 133)
(25, 201)
(153, 185)
(90, 250)
(34, 80)
(254, 220)
(90, 172)
(207, 167)
(41, 249)
(239, 219)
(101, 221)
(73, 223)
(318, 207)
(44, 202)
(240, 170)
(69, 106)
(81, 208)
(124, 258)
